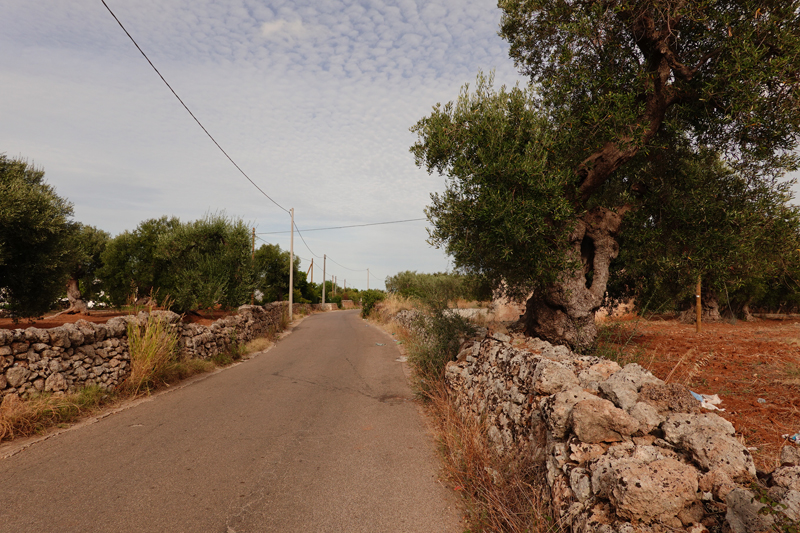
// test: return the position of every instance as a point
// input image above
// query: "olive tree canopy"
(541, 179)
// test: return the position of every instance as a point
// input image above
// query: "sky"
(312, 99)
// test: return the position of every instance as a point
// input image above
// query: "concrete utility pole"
(324, 261)
(253, 258)
(291, 268)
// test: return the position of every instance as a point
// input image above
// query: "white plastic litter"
(708, 401)
(793, 438)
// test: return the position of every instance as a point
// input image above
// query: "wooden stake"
(699, 305)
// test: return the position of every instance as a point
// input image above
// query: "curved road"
(319, 434)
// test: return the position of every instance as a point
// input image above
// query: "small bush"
(153, 348)
(439, 334)
(369, 299)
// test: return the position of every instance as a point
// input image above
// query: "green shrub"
(438, 334)
(368, 300)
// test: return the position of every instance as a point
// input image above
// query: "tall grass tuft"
(153, 348)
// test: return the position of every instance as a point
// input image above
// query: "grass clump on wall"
(153, 348)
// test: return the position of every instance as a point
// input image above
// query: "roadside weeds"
(156, 369)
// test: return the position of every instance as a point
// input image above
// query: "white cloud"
(312, 98)
(283, 28)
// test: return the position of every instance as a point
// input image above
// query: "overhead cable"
(189, 110)
(350, 226)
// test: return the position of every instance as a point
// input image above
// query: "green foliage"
(696, 217)
(504, 215)
(368, 300)
(209, 263)
(195, 265)
(131, 263)
(602, 68)
(34, 236)
(271, 270)
(337, 299)
(781, 523)
(84, 258)
(440, 286)
(439, 334)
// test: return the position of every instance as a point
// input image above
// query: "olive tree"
(35, 227)
(612, 83)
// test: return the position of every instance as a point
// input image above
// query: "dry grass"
(153, 349)
(503, 493)
(23, 418)
(258, 345)
(390, 306)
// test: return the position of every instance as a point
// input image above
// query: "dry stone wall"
(72, 356)
(624, 451)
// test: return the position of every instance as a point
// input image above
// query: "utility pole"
(253, 258)
(291, 268)
(324, 261)
(311, 269)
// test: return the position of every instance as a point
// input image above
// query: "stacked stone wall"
(72, 356)
(624, 451)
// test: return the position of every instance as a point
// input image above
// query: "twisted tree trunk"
(564, 312)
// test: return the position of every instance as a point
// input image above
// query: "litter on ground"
(708, 401)
(793, 438)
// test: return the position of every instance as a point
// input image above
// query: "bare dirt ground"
(754, 367)
(50, 322)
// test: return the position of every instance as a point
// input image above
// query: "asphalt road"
(319, 434)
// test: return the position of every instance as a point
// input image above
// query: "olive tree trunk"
(563, 313)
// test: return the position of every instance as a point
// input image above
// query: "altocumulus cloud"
(312, 98)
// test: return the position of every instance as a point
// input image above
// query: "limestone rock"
(55, 382)
(709, 439)
(643, 491)
(790, 456)
(647, 415)
(787, 477)
(551, 377)
(669, 397)
(742, 515)
(17, 375)
(635, 376)
(581, 484)
(598, 372)
(620, 392)
(600, 421)
(557, 408)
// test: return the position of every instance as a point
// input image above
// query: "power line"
(189, 110)
(350, 226)
(350, 269)
(304, 242)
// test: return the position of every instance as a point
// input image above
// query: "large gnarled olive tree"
(540, 179)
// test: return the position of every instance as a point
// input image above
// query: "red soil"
(741, 362)
(205, 318)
